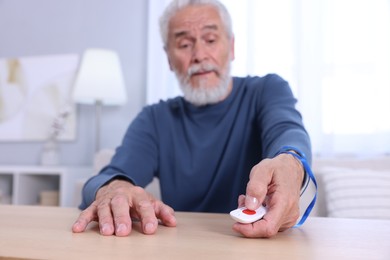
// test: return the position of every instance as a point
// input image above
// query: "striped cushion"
(357, 193)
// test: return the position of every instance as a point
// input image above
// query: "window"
(334, 53)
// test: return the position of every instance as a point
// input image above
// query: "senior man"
(224, 138)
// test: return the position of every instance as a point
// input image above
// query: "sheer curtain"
(334, 53)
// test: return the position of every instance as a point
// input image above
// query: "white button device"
(245, 216)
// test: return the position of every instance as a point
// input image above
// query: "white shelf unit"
(22, 185)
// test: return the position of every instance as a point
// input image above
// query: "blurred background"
(335, 55)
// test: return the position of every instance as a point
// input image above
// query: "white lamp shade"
(100, 79)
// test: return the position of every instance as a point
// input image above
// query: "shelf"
(33, 185)
(6, 187)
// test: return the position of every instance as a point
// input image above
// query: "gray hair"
(177, 5)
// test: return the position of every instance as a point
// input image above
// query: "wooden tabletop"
(32, 232)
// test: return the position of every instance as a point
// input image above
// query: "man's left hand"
(276, 183)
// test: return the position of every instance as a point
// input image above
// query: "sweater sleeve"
(135, 159)
(280, 122)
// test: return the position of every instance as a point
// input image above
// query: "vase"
(50, 153)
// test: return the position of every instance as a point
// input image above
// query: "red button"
(249, 212)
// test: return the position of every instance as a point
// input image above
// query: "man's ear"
(232, 49)
(170, 64)
(169, 60)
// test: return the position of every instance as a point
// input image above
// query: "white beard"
(201, 95)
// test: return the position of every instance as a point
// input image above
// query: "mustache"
(201, 68)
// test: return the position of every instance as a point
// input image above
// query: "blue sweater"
(203, 155)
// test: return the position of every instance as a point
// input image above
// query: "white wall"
(42, 27)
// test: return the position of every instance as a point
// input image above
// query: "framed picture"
(35, 98)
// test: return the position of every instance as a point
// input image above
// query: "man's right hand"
(117, 203)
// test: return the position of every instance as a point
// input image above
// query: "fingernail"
(121, 228)
(149, 228)
(76, 227)
(105, 228)
(251, 202)
(173, 220)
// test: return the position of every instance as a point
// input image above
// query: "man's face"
(199, 51)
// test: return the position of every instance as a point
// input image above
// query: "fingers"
(241, 201)
(121, 215)
(144, 208)
(150, 210)
(166, 214)
(116, 203)
(259, 180)
(276, 183)
(260, 229)
(269, 225)
(85, 217)
(106, 223)
(113, 216)
(275, 220)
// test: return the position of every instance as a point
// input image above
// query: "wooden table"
(45, 233)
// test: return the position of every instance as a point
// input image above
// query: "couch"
(351, 187)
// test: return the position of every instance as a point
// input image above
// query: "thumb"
(257, 187)
(251, 202)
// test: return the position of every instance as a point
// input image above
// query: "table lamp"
(99, 82)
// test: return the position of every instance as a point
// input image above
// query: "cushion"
(357, 193)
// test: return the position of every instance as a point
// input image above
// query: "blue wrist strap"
(302, 158)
